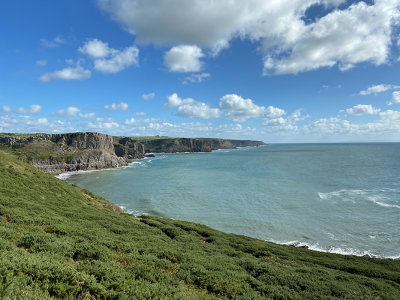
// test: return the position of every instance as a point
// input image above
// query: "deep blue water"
(342, 198)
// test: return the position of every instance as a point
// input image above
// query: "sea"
(339, 198)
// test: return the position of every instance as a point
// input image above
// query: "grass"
(59, 241)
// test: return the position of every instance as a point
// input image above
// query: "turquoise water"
(342, 198)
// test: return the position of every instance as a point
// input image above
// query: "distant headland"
(58, 153)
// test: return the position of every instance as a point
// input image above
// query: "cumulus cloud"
(109, 60)
(183, 58)
(70, 111)
(117, 107)
(239, 109)
(103, 124)
(174, 100)
(286, 124)
(140, 114)
(53, 43)
(88, 116)
(118, 62)
(6, 109)
(130, 121)
(387, 127)
(149, 96)
(379, 88)
(96, 49)
(70, 73)
(344, 36)
(33, 109)
(196, 78)
(395, 98)
(362, 109)
(43, 121)
(191, 108)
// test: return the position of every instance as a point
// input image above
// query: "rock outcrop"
(128, 148)
(57, 153)
(174, 145)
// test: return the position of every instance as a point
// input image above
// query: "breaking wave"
(382, 197)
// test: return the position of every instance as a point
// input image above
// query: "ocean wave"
(380, 197)
(66, 175)
(335, 250)
(133, 212)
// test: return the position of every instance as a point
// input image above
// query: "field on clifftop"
(59, 241)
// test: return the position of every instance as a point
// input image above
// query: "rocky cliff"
(174, 145)
(57, 153)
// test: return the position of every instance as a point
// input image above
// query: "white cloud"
(118, 61)
(391, 115)
(343, 36)
(88, 116)
(191, 108)
(43, 121)
(6, 108)
(117, 107)
(70, 111)
(199, 110)
(395, 98)
(33, 109)
(239, 109)
(183, 58)
(361, 33)
(130, 121)
(41, 62)
(96, 49)
(286, 124)
(379, 88)
(140, 114)
(103, 124)
(149, 96)
(362, 109)
(55, 42)
(386, 128)
(71, 73)
(109, 60)
(196, 78)
(174, 100)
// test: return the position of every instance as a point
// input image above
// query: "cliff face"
(173, 145)
(57, 153)
(127, 147)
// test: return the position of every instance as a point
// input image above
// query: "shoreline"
(65, 175)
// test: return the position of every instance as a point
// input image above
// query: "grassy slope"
(57, 240)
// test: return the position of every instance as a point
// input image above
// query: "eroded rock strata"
(58, 153)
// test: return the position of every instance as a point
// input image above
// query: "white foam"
(335, 250)
(375, 196)
(383, 204)
(135, 213)
(66, 175)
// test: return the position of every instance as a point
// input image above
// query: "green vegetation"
(42, 152)
(59, 241)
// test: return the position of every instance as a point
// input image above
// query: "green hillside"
(59, 241)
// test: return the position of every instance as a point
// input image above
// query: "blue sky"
(277, 71)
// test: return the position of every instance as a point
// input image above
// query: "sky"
(277, 71)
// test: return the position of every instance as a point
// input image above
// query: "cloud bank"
(291, 41)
